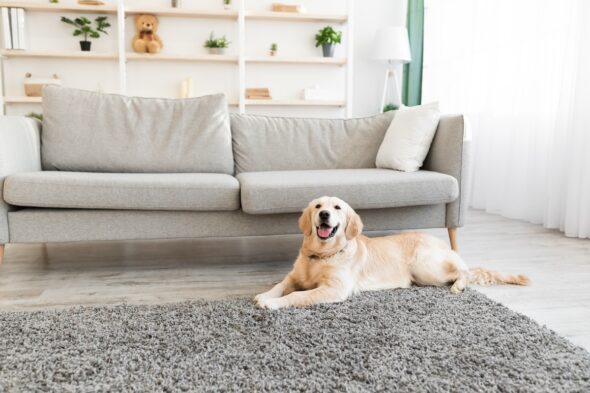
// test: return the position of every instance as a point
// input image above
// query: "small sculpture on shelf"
(273, 49)
(83, 27)
(146, 40)
(186, 88)
(216, 46)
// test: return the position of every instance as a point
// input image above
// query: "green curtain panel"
(412, 86)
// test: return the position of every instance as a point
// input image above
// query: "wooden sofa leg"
(453, 238)
(1, 253)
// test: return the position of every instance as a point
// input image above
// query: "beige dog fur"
(331, 269)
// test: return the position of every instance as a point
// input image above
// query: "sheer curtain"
(520, 70)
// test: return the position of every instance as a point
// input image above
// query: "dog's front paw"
(269, 303)
(262, 296)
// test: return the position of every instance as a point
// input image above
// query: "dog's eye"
(337, 207)
(318, 206)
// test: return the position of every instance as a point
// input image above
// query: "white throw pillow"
(408, 138)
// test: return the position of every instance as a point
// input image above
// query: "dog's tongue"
(324, 231)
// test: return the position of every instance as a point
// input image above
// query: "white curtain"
(520, 70)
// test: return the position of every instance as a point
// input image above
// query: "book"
(22, 39)
(6, 34)
(279, 7)
(14, 28)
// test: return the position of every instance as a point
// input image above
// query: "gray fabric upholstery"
(19, 152)
(92, 132)
(450, 153)
(263, 143)
(32, 225)
(134, 191)
(291, 191)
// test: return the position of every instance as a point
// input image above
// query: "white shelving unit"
(241, 16)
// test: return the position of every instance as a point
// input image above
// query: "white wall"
(182, 36)
(369, 74)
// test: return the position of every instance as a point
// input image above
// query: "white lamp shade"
(392, 44)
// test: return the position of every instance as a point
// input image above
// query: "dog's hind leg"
(440, 267)
(460, 282)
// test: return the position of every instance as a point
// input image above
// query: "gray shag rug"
(411, 340)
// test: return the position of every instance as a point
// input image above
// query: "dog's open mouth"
(325, 231)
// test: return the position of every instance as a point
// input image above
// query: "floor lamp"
(392, 45)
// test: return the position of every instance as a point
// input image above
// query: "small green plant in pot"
(35, 115)
(273, 49)
(216, 46)
(83, 27)
(328, 38)
(390, 107)
(227, 4)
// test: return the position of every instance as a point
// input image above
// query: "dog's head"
(330, 219)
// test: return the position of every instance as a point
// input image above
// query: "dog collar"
(315, 256)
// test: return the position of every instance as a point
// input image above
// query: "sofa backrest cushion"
(263, 143)
(86, 131)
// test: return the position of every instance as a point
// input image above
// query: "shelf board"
(184, 12)
(295, 102)
(59, 55)
(38, 100)
(297, 60)
(49, 7)
(195, 58)
(295, 16)
(22, 100)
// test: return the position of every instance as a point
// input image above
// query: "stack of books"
(258, 93)
(13, 28)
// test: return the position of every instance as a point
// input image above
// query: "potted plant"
(273, 48)
(216, 46)
(83, 27)
(328, 38)
(227, 4)
(390, 107)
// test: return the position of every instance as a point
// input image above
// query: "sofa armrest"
(20, 151)
(450, 153)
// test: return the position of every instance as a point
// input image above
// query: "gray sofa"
(108, 167)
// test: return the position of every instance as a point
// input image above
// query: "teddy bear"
(146, 40)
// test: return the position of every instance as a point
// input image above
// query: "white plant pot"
(216, 51)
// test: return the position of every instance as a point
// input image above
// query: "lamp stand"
(390, 73)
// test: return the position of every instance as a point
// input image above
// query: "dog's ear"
(305, 221)
(354, 225)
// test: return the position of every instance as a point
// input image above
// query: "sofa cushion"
(408, 138)
(263, 143)
(291, 191)
(92, 132)
(133, 191)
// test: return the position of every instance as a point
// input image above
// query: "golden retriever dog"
(336, 260)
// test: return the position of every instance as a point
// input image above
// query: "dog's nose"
(324, 214)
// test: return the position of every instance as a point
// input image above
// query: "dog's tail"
(480, 276)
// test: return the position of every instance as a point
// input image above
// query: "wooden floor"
(61, 275)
